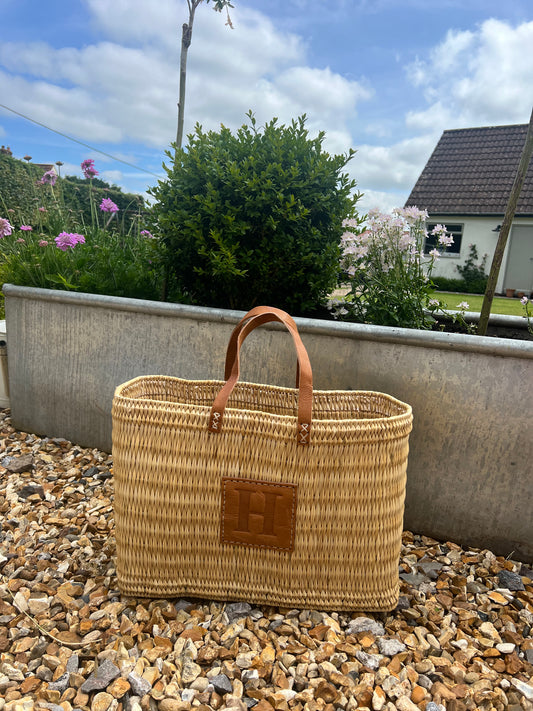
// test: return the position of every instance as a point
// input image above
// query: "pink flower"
(107, 205)
(442, 235)
(66, 240)
(446, 240)
(5, 228)
(49, 178)
(43, 243)
(147, 234)
(26, 228)
(21, 241)
(89, 171)
(42, 209)
(524, 300)
(464, 306)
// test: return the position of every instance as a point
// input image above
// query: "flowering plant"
(107, 205)
(88, 169)
(48, 178)
(388, 273)
(5, 227)
(526, 303)
(67, 240)
(59, 252)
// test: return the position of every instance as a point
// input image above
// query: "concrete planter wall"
(470, 464)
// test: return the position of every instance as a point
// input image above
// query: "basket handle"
(263, 314)
(254, 318)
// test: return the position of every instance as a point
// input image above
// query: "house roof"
(471, 172)
(46, 166)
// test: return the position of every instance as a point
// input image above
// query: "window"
(456, 232)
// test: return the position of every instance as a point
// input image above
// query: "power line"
(75, 140)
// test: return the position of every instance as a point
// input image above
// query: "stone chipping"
(461, 636)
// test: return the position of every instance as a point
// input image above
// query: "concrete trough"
(471, 449)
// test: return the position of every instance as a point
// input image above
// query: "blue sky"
(384, 77)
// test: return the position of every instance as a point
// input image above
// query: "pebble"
(510, 581)
(102, 702)
(102, 677)
(221, 684)
(390, 647)
(525, 689)
(139, 685)
(365, 624)
(460, 638)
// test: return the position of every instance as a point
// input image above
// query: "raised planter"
(469, 474)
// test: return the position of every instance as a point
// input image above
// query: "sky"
(384, 77)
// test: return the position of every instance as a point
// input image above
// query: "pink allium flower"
(43, 243)
(21, 241)
(42, 209)
(66, 240)
(147, 234)
(89, 171)
(26, 228)
(5, 228)
(107, 205)
(49, 178)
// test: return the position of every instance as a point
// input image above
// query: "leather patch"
(258, 513)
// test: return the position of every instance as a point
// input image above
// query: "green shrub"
(19, 191)
(446, 284)
(473, 274)
(254, 217)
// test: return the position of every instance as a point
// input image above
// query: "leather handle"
(266, 314)
(254, 318)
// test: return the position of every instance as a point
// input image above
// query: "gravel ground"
(461, 637)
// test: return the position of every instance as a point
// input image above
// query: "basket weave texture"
(350, 480)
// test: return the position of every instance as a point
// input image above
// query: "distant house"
(45, 167)
(466, 185)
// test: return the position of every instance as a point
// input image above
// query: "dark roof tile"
(471, 172)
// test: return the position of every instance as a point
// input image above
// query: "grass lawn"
(500, 305)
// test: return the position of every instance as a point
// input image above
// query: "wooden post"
(505, 229)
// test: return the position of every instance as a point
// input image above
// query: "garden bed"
(459, 639)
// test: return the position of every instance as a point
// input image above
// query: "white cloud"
(472, 78)
(395, 167)
(112, 176)
(125, 88)
(383, 201)
(476, 78)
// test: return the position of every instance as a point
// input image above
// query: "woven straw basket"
(272, 495)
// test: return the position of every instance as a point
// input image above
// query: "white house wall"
(478, 231)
